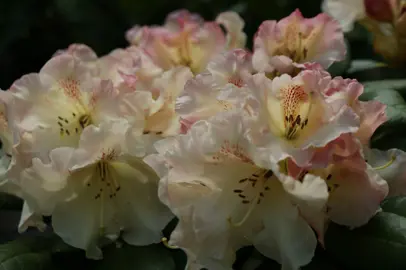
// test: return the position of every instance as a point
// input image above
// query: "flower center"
(231, 152)
(103, 183)
(182, 52)
(73, 124)
(104, 180)
(295, 105)
(293, 45)
(260, 181)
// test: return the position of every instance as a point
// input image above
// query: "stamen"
(164, 241)
(102, 210)
(84, 121)
(393, 158)
(247, 215)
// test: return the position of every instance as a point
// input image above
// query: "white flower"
(96, 190)
(224, 200)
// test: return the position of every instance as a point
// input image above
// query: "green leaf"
(391, 133)
(363, 65)
(378, 73)
(126, 257)
(28, 253)
(381, 244)
(396, 205)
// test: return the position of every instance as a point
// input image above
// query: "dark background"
(32, 30)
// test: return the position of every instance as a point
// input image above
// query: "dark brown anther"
(268, 174)
(305, 52)
(298, 120)
(243, 180)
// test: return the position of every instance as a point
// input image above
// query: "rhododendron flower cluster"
(261, 148)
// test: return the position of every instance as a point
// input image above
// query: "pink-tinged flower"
(296, 118)
(232, 67)
(390, 165)
(84, 54)
(162, 119)
(57, 104)
(80, 51)
(118, 66)
(355, 193)
(143, 72)
(186, 40)
(97, 189)
(222, 88)
(371, 113)
(224, 200)
(280, 46)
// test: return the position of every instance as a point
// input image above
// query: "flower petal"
(346, 12)
(390, 165)
(358, 197)
(234, 26)
(286, 238)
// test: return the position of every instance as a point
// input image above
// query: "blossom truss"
(187, 40)
(224, 200)
(385, 19)
(281, 46)
(77, 156)
(227, 193)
